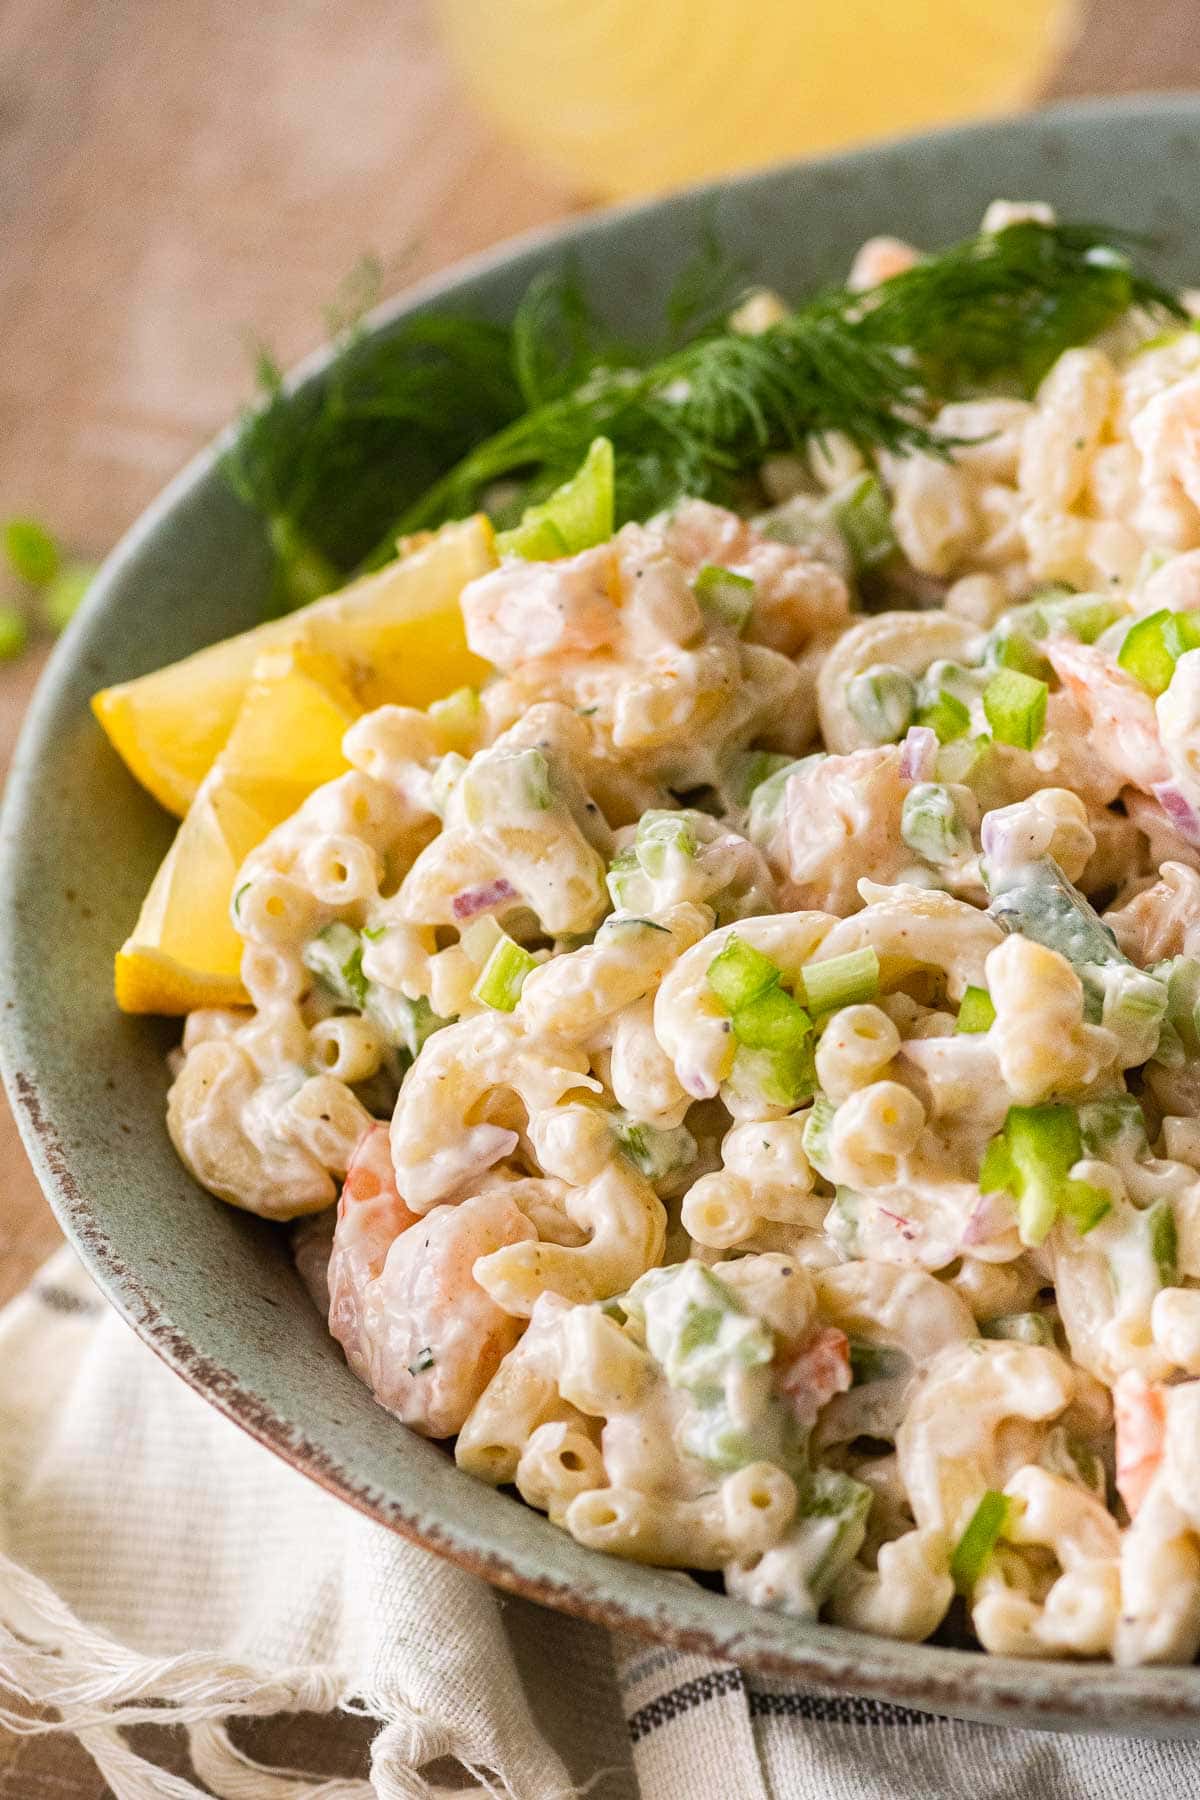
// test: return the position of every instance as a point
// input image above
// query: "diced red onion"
(918, 753)
(989, 1218)
(1179, 810)
(698, 1084)
(903, 1225)
(478, 900)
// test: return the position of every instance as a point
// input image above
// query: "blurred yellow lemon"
(624, 97)
(286, 740)
(398, 634)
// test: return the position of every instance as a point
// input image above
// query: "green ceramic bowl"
(212, 1289)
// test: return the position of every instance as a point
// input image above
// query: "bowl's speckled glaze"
(212, 1289)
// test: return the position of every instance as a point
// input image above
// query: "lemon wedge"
(398, 634)
(286, 740)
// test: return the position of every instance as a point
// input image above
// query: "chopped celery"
(1037, 900)
(1057, 612)
(503, 975)
(1009, 647)
(405, 1023)
(946, 716)
(864, 518)
(1182, 975)
(662, 836)
(580, 511)
(816, 1135)
(830, 1525)
(784, 1077)
(725, 596)
(335, 958)
(876, 1362)
(696, 1328)
(498, 783)
(1144, 653)
(843, 1220)
(739, 973)
(655, 1153)
(445, 779)
(31, 552)
(626, 881)
(748, 769)
(883, 701)
(1163, 1238)
(930, 824)
(772, 1020)
(975, 1011)
(766, 802)
(974, 1548)
(1015, 706)
(457, 718)
(1021, 1328)
(1181, 633)
(1032, 1160)
(14, 633)
(963, 760)
(846, 980)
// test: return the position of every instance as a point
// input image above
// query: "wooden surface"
(173, 175)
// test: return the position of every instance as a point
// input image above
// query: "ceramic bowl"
(213, 1290)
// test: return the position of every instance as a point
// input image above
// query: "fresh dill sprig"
(446, 413)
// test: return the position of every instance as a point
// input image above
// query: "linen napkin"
(158, 1569)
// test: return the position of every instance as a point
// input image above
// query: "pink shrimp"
(794, 594)
(1140, 1413)
(840, 820)
(816, 1373)
(404, 1305)
(524, 611)
(1122, 723)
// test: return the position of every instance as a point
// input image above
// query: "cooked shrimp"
(416, 1326)
(370, 1217)
(523, 611)
(1140, 1415)
(1123, 725)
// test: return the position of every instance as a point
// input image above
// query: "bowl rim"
(1072, 1695)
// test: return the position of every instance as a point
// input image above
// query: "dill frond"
(422, 425)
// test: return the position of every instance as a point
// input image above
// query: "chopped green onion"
(1144, 653)
(725, 596)
(930, 824)
(1032, 1160)
(830, 1524)
(846, 980)
(661, 836)
(457, 718)
(1182, 975)
(947, 716)
(503, 975)
(31, 551)
(1021, 1328)
(335, 958)
(816, 1135)
(883, 701)
(864, 518)
(626, 881)
(975, 1011)
(14, 633)
(739, 973)
(580, 512)
(64, 595)
(1015, 706)
(655, 1153)
(974, 1548)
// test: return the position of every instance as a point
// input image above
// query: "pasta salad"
(734, 1068)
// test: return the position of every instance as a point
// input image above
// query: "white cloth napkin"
(159, 1567)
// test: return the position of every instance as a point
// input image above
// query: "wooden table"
(173, 175)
